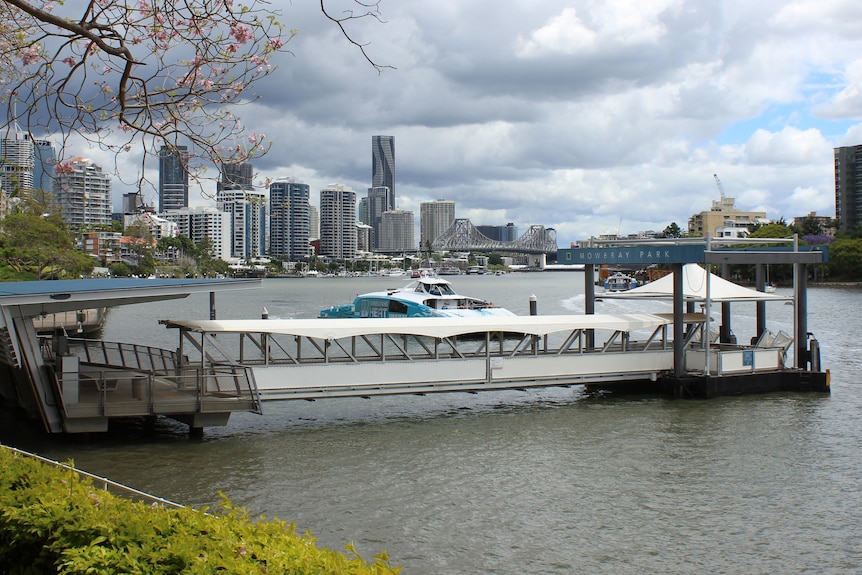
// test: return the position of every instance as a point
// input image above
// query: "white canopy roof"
(694, 279)
(425, 326)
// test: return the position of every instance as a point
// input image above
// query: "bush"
(53, 520)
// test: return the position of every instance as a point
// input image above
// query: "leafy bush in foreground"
(54, 521)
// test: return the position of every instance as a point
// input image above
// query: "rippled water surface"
(544, 481)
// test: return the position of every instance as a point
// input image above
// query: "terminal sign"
(632, 255)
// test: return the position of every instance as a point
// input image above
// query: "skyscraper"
(397, 232)
(378, 201)
(247, 223)
(83, 194)
(289, 225)
(17, 159)
(383, 166)
(338, 221)
(434, 219)
(237, 176)
(848, 187)
(173, 178)
(43, 167)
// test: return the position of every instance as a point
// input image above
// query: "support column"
(801, 296)
(726, 332)
(590, 302)
(760, 284)
(678, 351)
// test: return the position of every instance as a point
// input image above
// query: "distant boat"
(422, 273)
(425, 297)
(620, 282)
(449, 271)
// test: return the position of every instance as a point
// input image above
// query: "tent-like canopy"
(694, 280)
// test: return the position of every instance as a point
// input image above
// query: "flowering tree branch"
(152, 74)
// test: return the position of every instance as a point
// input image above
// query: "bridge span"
(463, 236)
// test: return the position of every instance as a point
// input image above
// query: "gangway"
(310, 359)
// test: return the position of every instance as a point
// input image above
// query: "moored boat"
(620, 282)
(425, 297)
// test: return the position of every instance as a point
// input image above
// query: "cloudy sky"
(588, 116)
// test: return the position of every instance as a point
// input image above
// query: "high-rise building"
(247, 211)
(17, 160)
(848, 187)
(289, 225)
(338, 221)
(236, 176)
(379, 200)
(83, 194)
(313, 223)
(434, 219)
(173, 178)
(362, 212)
(397, 232)
(383, 167)
(44, 158)
(201, 223)
(507, 233)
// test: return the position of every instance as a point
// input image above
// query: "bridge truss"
(462, 236)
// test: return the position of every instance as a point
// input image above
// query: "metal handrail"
(101, 482)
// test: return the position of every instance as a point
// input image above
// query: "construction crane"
(718, 183)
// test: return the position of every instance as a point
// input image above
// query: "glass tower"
(173, 178)
(383, 166)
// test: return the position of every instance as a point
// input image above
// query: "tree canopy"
(144, 74)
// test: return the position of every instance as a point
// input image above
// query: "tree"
(145, 74)
(672, 231)
(37, 247)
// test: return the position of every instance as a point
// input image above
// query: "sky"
(586, 116)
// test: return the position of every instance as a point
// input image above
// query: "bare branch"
(371, 11)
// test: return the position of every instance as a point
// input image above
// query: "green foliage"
(34, 247)
(845, 259)
(54, 521)
(672, 231)
(775, 230)
(120, 270)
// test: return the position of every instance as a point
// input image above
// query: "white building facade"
(396, 232)
(434, 219)
(338, 222)
(247, 211)
(83, 194)
(201, 223)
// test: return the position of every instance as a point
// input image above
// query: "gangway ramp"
(309, 359)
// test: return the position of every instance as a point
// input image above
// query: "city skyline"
(575, 115)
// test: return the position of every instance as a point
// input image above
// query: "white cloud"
(574, 114)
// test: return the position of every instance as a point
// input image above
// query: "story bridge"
(462, 236)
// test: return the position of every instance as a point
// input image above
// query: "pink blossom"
(240, 33)
(70, 61)
(30, 54)
(62, 168)
(275, 43)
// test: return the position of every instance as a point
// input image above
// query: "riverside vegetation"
(37, 245)
(53, 520)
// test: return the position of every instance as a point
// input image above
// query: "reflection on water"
(542, 481)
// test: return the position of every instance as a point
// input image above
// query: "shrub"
(52, 520)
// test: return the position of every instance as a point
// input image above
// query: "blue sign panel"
(748, 358)
(632, 255)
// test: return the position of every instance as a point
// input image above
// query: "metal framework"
(463, 236)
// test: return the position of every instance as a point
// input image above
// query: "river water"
(541, 482)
